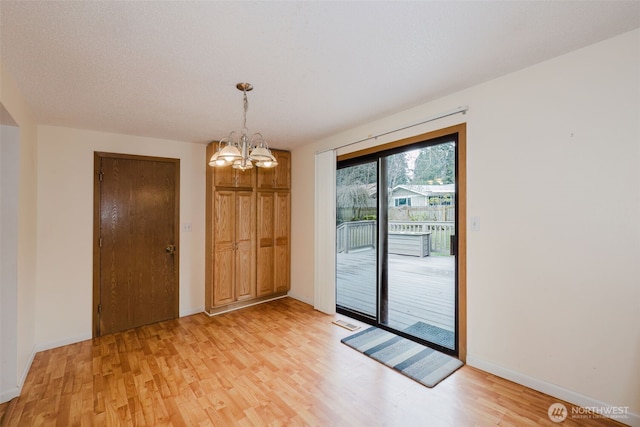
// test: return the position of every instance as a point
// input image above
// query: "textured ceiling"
(169, 69)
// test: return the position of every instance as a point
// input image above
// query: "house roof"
(422, 190)
(426, 190)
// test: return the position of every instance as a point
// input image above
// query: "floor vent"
(346, 325)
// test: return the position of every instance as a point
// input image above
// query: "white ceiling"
(169, 69)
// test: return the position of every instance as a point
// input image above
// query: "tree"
(397, 170)
(352, 191)
(353, 202)
(366, 173)
(435, 165)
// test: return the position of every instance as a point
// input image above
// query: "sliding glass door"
(420, 260)
(396, 241)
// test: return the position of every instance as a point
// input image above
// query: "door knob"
(170, 249)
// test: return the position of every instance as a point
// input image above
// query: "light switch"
(475, 223)
(186, 227)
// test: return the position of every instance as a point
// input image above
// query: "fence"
(401, 213)
(422, 213)
(362, 234)
(356, 235)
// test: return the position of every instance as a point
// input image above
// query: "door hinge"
(100, 175)
(99, 308)
(100, 242)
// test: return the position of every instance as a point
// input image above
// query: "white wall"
(65, 226)
(23, 320)
(9, 188)
(553, 169)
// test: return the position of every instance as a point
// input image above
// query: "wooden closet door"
(224, 231)
(229, 177)
(245, 252)
(282, 227)
(278, 177)
(265, 230)
(282, 172)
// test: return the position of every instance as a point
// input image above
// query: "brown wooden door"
(224, 177)
(245, 247)
(273, 265)
(234, 253)
(136, 233)
(224, 240)
(278, 177)
(281, 241)
(230, 177)
(266, 254)
(282, 172)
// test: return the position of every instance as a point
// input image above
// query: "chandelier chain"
(246, 108)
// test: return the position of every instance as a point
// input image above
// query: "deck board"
(420, 289)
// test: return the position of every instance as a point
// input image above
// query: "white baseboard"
(630, 418)
(7, 395)
(63, 342)
(12, 393)
(191, 311)
(26, 369)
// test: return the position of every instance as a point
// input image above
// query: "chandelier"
(240, 151)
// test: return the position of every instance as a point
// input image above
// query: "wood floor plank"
(275, 364)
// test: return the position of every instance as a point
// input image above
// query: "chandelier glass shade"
(241, 151)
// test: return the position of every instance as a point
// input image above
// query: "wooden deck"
(420, 289)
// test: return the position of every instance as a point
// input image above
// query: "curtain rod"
(458, 110)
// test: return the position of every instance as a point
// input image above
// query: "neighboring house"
(423, 195)
(428, 202)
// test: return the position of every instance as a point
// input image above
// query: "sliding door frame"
(461, 216)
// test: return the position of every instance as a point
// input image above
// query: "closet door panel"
(282, 219)
(245, 252)
(224, 247)
(265, 255)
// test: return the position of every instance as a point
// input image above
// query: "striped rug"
(418, 362)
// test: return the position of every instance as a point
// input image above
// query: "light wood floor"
(278, 363)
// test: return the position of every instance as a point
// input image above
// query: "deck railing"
(356, 235)
(353, 235)
(441, 232)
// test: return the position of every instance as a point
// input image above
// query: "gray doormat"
(420, 363)
(432, 334)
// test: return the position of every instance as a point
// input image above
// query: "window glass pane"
(356, 236)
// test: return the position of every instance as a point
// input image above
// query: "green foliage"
(397, 170)
(352, 201)
(357, 175)
(435, 165)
